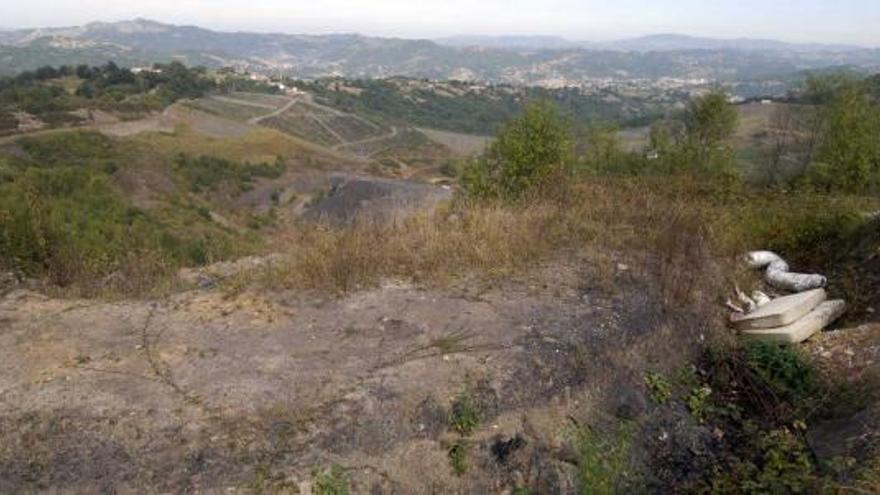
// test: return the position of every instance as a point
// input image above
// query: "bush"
(68, 221)
(530, 150)
(785, 372)
(67, 149)
(68, 224)
(208, 172)
(780, 463)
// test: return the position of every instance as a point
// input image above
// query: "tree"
(603, 152)
(529, 150)
(848, 155)
(710, 122)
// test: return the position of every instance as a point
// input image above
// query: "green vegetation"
(62, 217)
(463, 421)
(332, 481)
(531, 150)
(51, 94)
(464, 415)
(476, 109)
(659, 387)
(208, 173)
(765, 396)
(458, 456)
(826, 138)
(50, 90)
(604, 462)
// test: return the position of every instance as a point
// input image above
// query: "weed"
(451, 343)
(687, 377)
(659, 387)
(784, 370)
(604, 461)
(698, 402)
(332, 481)
(780, 464)
(465, 417)
(458, 457)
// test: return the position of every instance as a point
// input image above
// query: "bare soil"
(208, 392)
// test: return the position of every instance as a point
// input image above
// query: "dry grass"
(430, 247)
(683, 235)
(488, 239)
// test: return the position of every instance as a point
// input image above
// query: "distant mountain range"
(543, 60)
(651, 43)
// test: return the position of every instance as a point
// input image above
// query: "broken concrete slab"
(802, 329)
(780, 311)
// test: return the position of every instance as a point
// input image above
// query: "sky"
(825, 21)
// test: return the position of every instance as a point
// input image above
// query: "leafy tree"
(603, 152)
(710, 122)
(529, 151)
(848, 155)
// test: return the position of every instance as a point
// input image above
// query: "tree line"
(827, 138)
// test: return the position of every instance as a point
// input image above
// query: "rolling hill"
(515, 60)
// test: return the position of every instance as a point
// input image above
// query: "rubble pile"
(788, 319)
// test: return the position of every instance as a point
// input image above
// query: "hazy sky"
(846, 21)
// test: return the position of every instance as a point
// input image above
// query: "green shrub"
(530, 150)
(208, 172)
(67, 149)
(780, 463)
(70, 225)
(784, 370)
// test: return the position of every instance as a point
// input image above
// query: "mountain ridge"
(527, 60)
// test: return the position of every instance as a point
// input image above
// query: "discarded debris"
(778, 274)
(780, 311)
(804, 328)
(785, 320)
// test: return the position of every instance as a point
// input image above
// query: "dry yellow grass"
(491, 240)
(682, 234)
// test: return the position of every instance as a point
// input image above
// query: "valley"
(334, 264)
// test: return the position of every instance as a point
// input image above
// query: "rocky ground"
(207, 392)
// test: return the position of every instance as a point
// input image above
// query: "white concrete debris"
(778, 274)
